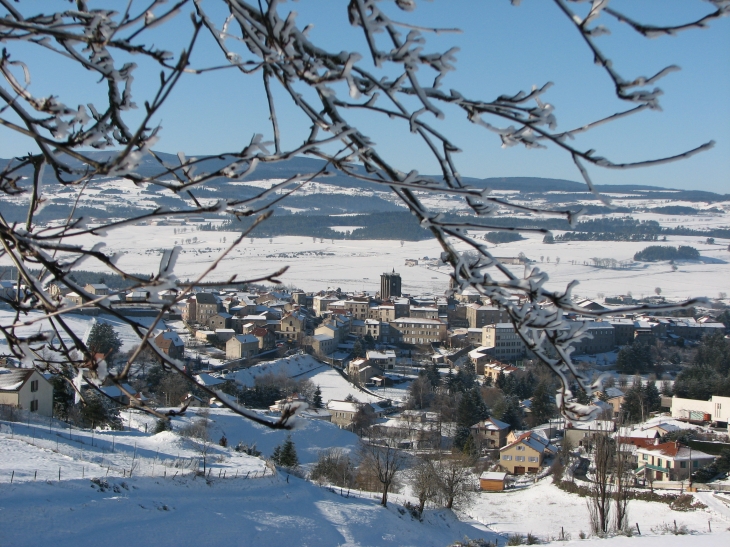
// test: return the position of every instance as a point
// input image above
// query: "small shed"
(492, 481)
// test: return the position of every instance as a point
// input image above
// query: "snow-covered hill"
(163, 504)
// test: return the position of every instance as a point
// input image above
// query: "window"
(683, 465)
(645, 457)
(659, 462)
(34, 406)
(507, 458)
(520, 447)
(519, 458)
(34, 385)
(695, 463)
(532, 459)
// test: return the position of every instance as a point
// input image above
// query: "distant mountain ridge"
(302, 165)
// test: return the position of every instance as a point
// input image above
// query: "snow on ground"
(292, 367)
(38, 448)
(270, 511)
(79, 324)
(357, 265)
(544, 509)
(334, 386)
(170, 506)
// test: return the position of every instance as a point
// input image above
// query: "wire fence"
(94, 456)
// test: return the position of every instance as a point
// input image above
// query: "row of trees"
(445, 480)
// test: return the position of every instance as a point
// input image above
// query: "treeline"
(502, 237)
(81, 277)
(396, 225)
(667, 252)
(403, 225)
(682, 210)
(604, 236)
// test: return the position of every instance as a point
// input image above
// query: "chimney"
(656, 441)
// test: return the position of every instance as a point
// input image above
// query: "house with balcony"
(670, 461)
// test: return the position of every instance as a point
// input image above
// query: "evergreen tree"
(162, 425)
(470, 447)
(714, 351)
(471, 410)
(501, 380)
(462, 436)
(317, 398)
(433, 375)
(369, 341)
(650, 397)
(636, 357)
(465, 378)
(542, 406)
(632, 408)
(104, 339)
(285, 455)
(580, 395)
(98, 412)
(357, 350)
(62, 396)
(512, 413)
(276, 455)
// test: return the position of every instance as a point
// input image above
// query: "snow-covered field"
(546, 511)
(356, 265)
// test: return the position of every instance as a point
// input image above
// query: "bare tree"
(264, 40)
(601, 489)
(385, 462)
(199, 432)
(424, 482)
(455, 480)
(420, 393)
(623, 480)
(333, 466)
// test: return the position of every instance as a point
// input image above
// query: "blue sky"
(503, 49)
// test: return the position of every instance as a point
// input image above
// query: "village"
(431, 376)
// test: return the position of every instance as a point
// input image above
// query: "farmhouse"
(26, 389)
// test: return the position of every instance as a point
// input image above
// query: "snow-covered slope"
(93, 504)
(165, 512)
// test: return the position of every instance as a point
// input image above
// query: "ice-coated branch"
(399, 78)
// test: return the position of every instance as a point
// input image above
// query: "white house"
(26, 389)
